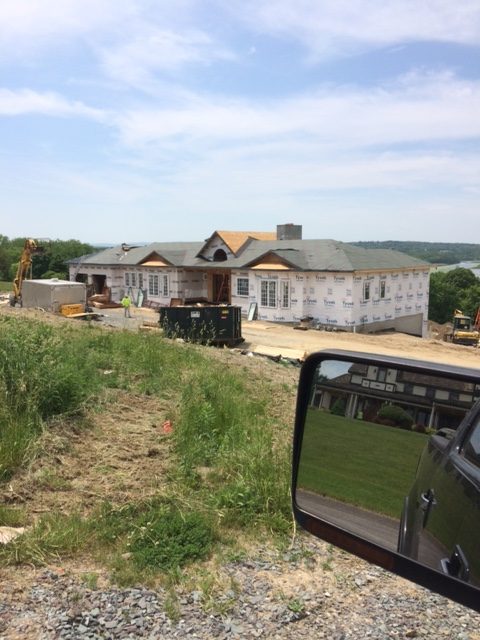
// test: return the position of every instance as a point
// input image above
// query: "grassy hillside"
(181, 452)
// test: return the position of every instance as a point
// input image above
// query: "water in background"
(473, 266)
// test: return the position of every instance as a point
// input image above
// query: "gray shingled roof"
(305, 255)
(326, 255)
(178, 253)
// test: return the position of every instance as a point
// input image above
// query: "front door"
(221, 288)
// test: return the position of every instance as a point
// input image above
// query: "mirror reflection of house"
(364, 392)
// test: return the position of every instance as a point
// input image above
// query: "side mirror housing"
(386, 465)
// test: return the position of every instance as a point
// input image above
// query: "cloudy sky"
(152, 120)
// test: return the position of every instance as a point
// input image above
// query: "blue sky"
(147, 120)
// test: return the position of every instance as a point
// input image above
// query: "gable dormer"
(223, 245)
(154, 260)
(271, 261)
(216, 249)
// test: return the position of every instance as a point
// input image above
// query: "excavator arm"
(24, 269)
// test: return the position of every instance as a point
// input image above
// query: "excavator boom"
(24, 269)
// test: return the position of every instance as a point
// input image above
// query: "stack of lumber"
(102, 301)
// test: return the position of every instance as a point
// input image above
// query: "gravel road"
(310, 591)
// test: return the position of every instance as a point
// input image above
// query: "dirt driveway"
(285, 338)
(277, 339)
(272, 339)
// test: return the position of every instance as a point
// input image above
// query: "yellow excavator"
(24, 270)
(463, 330)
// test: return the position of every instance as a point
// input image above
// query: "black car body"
(440, 525)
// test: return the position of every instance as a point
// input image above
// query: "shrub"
(339, 406)
(157, 533)
(396, 416)
(167, 539)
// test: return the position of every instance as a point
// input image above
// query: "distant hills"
(435, 252)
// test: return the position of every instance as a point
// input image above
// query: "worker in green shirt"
(126, 302)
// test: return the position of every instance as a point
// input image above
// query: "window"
(471, 450)
(165, 289)
(242, 287)
(382, 288)
(382, 375)
(285, 294)
(366, 290)
(268, 293)
(153, 285)
(130, 279)
(140, 280)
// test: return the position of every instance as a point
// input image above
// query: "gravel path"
(310, 592)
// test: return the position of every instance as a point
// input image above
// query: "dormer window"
(219, 256)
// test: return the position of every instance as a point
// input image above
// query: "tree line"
(455, 289)
(434, 252)
(49, 263)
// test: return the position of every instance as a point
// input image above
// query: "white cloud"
(153, 49)
(32, 25)
(25, 101)
(330, 27)
(417, 108)
(131, 40)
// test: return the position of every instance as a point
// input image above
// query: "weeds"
(90, 579)
(231, 468)
(11, 517)
(54, 536)
(223, 427)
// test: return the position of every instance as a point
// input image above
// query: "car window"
(471, 449)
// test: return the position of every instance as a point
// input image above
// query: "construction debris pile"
(102, 300)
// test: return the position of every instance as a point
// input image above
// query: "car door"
(444, 515)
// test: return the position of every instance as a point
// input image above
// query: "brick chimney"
(289, 231)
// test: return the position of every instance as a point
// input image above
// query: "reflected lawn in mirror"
(357, 467)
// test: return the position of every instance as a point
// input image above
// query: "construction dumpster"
(52, 294)
(207, 324)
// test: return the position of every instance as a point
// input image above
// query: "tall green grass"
(226, 428)
(43, 373)
(232, 462)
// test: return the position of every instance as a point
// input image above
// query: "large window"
(140, 280)
(383, 287)
(165, 288)
(130, 279)
(285, 294)
(152, 285)
(242, 287)
(366, 290)
(268, 293)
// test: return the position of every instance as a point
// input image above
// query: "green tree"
(52, 260)
(461, 278)
(443, 298)
(470, 300)
(455, 289)
(55, 255)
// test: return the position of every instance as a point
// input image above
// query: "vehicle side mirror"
(386, 465)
